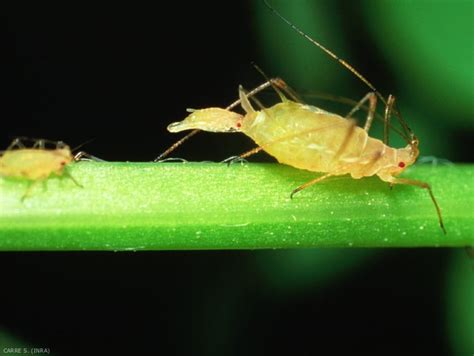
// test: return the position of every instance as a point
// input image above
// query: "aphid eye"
(238, 125)
(63, 163)
(401, 164)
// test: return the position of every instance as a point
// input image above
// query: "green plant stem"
(163, 206)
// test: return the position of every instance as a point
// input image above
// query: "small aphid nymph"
(37, 163)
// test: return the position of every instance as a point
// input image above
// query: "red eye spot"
(63, 163)
(238, 124)
(401, 164)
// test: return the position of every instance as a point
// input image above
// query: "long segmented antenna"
(327, 51)
(341, 61)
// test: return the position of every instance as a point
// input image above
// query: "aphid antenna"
(409, 136)
(82, 144)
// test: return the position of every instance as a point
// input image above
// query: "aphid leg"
(280, 83)
(16, 143)
(84, 156)
(28, 190)
(377, 155)
(241, 158)
(233, 160)
(424, 185)
(372, 98)
(386, 118)
(39, 144)
(277, 84)
(68, 175)
(175, 145)
(61, 144)
(347, 138)
(310, 183)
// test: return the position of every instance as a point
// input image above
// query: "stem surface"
(164, 206)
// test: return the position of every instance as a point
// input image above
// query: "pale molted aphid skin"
(36, 164)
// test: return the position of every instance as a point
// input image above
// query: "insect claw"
(84, 156)
(171, 159)
(234, 159)
(294, 192)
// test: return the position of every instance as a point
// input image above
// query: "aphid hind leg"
(418, 183)
(280, 83)
(350, 131)
(386, 118)
(40, 144)
(372, 98)
(280, 86)
(310, 183)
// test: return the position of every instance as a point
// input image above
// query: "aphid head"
(407, 155)
(62, 156)
(211, 119)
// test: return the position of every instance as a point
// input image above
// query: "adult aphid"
(310, 138)
(38, 162)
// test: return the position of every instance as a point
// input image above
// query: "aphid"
(37, 163)
(310, 138)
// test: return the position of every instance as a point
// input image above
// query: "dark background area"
(119, 74)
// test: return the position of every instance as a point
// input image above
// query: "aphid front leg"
(418, 183)
(310, 183)
(86, 156)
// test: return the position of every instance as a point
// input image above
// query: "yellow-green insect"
(313, 139)
(37, 163)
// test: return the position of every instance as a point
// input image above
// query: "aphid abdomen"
(301, 136)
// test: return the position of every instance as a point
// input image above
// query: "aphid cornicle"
(310, 138)
(37, 163)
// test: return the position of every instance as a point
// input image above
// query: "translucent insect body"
(37, 163)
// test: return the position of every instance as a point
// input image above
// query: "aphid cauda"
(313, 139)
(37, 163)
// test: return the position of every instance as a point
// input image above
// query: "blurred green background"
(121, 74)
(420, 51)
